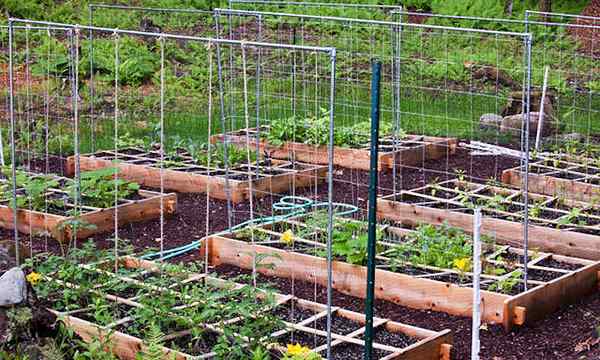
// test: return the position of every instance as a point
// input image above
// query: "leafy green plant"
(235, 155)
(98, 187)
(507, 284)
(314, 130)
(35, 190)
(571, 218)
(434, 246)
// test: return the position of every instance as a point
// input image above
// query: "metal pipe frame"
(328, 50)
(371, 22)
(314, 4)
(149, 9)
(506, 21)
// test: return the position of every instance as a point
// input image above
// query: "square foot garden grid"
(554, 280)
(571, 177)
(302, 320)
(58, 213)
(409, 150)
(556, 224)
(184, 174)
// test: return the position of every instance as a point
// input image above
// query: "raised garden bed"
(554, 280)
(45, 206)
(576, 178)
(410, 150)
(184, 174)
(558, 225)
(182, 295)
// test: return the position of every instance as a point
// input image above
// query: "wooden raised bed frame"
(545, 234)
(417, 292)
(143, 167)
(433, 345)
(37, 222)
(411, 150)
(571, 177)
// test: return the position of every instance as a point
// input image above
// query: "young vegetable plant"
(444, 247)
(98, 188)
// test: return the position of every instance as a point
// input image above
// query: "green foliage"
(154, 345)
(314, 130)
(434, 246)
(350, 237)
(235, 155)
(507, 284)
(35, 190)
(98, 187)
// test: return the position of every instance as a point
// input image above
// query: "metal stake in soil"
(475, 343)
(375, 82)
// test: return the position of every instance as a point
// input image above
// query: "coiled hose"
(290, 206)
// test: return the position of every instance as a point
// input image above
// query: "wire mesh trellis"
(138, 94)
(419, 94)
(123, 119)
(354, 10)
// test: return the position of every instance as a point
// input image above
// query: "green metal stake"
(375, 97)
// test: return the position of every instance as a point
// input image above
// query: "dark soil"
(347, 351)
(195, 346)
(293, 314)
(302, 338)
(339, 325)
(398, 340)
(551, 263)
(552, 338)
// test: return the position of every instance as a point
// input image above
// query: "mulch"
(588, 38)
(553, 338)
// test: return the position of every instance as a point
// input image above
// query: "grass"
(439, 97)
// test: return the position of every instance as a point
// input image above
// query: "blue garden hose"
(290, 206)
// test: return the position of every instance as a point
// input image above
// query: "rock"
(490, 121)
(514, 124)
(572, 137)
(13, 287)
(514, 104)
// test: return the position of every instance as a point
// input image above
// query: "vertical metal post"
(92, 89)
(527, 109)
(13, 149)
(258, 69)
(223, 124)
(475, 343)
(540, 123)
(397, 46)
(75, 103)
(330, 200)
(372, 229)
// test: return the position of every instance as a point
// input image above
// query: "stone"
(514, 104)
(572, 137)
(13, 287)
(514, 124)
(490, 121)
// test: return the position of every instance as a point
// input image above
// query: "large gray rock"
(514, 124)
(490, 121)
(13, 287)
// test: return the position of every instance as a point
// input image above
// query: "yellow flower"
(463, 264)
(288, 237)
(33, 278)
(297, 349)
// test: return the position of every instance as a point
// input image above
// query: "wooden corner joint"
(445, 351)
(171, 206)
(520, 315)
